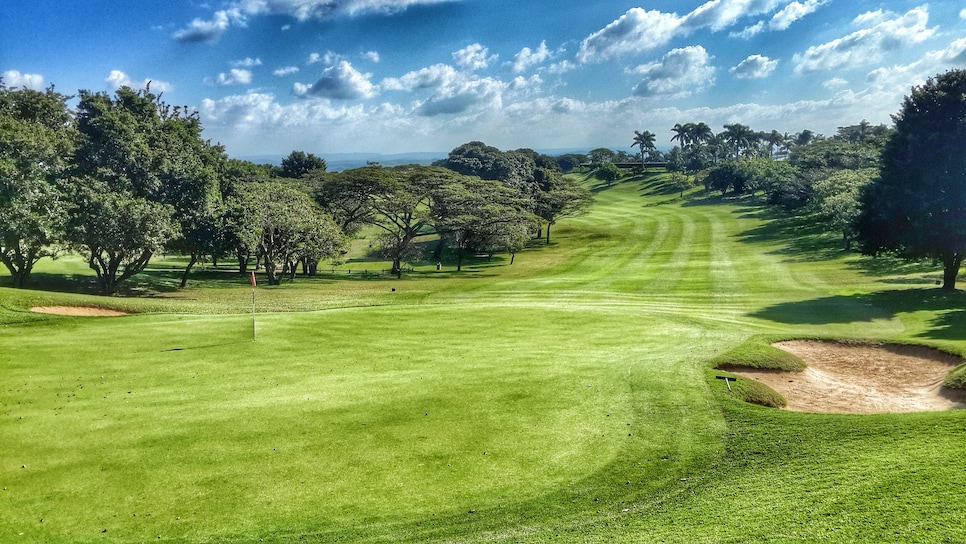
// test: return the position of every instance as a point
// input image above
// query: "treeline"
(124, 176)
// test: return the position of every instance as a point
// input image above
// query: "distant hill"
(337, 162)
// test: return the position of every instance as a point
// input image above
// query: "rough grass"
(566, 397)
(758, 353)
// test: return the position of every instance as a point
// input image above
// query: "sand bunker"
(84, 311)
(864, 378)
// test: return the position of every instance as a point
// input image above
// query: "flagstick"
(253, 314)
(252, 279)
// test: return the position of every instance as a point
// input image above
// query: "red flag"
(252, 278)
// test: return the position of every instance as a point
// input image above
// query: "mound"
(864, 378)
(84, 311)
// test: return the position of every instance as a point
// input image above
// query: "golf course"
(571, 396)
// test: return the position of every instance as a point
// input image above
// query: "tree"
(609, 172)
(645, 141)
(139, 147)
(475, 214)
(836, 199)
(300, 163)
(739, 137)
(600, 155)
(561, 198)
(284, 225)
(917, 206)
(118, 233)
(37, 137)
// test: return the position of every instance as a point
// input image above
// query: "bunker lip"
(863, 378)
(80, 311)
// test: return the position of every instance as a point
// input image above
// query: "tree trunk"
(187, 270)
(397, 267)
(951, 262)
(513, 255)
(548, 233)
(242, 263)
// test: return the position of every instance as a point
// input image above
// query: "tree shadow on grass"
(949, 307)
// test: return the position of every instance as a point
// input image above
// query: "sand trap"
(864, 378)
(84, 311)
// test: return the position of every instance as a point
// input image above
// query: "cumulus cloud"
(328, 58)
(286, 70)
(834, 83)
(681, 72)
(783, 18)
(882, 32)
(13, 78)
(201, 30)
(246, 63)
(338, 82)
(117, 79)
(754, 67)
(451, 91)
(900, 78)
(371, 56)
(639, 30)
(235, 76)
(636, 31)
(528, 57)
(473, 57)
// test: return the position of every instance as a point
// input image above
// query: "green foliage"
(300, 163)
(36, 141)
(608, 172)
(917, 206)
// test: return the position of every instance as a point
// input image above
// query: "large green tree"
(118, 232)
(917, 206)
(284, 226)
(559, 198)
(37, 137)
(141, 148)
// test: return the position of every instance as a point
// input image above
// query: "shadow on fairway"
(948, 323)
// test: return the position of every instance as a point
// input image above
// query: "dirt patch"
(83, 311)
(864, 378)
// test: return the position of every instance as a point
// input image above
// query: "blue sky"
(395, 76)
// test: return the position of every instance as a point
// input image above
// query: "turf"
(567, 397)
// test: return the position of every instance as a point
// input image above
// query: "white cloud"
(900, 78)
(793, 12)
(200, 30)
(339, 82)
(372, 56)
(883, 32)
(235, 76)
(782, 19)
(446, 90)
(329, 58)
(528, 57)
(720, 14)
(639, 30)
(962, 14)
(834, 83)
(13, 78)
(754, 67)
(634, 32)
(246, 63)
(209, 31)
(286, 70)
(473, 57)
(117, 79)
(681, 72)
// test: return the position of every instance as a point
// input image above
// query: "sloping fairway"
(566, 397)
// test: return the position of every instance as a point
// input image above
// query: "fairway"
(566, 397)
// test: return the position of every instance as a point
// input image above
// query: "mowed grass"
(566, 397)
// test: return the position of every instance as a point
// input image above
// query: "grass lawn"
(567, 397)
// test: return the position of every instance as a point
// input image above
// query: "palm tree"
(773, 139)
(700, 133)
(681, 133)
(644, 140)
(739, 136)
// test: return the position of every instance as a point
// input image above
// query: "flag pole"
(252, 278)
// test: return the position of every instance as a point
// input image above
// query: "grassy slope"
(566, 396)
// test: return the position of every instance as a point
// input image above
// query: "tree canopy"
(917, 206)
